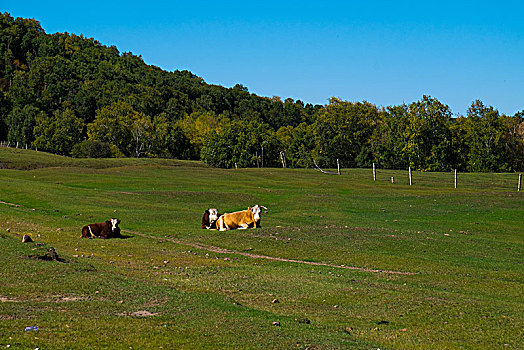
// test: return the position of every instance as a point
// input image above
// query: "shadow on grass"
(117, 237)
(49, 255)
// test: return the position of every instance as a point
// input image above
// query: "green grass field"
(400, 267)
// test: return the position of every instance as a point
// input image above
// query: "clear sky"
(384, 52)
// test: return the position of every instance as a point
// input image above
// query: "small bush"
(91, 149)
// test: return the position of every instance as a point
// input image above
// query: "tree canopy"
(71, 95)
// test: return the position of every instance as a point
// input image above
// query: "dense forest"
(71, 95)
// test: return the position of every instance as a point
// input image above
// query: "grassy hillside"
(426, 266)
(20, 159)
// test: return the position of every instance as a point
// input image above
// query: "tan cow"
(240, 219)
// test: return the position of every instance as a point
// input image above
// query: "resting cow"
(210, 218)
(240, 219)
(108, 229)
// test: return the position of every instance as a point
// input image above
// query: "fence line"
(18, 145)
(478, 180)
(467, 180)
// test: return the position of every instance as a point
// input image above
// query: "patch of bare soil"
(4, 299)
(140, 313)
(69, 299)
(10, 204)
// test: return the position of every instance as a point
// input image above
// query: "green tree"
(197, 127)
(241, 144)
(516, 127)
(121, 126)
(294, 113)
(59, 133)
(514, 140)
(302, 148)
(429, 144)
(285, 136)
(390, 138)
(343, 130)
(461, 138)
(488, 139)
(143, 136)
(5, 108)
(21, 122)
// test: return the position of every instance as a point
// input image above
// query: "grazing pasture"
(340, 261)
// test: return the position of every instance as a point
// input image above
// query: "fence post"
(410, 182)
(520, 179)
(455, 178)
(374, 173)
(262, 146)
(338, 167)
(283, 158)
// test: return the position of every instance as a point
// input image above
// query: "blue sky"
(384, 52)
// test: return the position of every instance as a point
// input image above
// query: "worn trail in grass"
(214, 249)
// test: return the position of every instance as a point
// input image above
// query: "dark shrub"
(91, 149)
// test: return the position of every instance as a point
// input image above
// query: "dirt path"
(10, 204)
(214, 249)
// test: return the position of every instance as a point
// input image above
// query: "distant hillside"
(71, 95)
(65, 70)
(43, 73)
(22, 159)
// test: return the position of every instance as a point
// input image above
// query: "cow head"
(213, 215)
(256, 212)
(114, 224)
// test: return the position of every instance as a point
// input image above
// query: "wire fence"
(453, 179)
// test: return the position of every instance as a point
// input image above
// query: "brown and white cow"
(107, 229)
(210, 218)
(240, 219)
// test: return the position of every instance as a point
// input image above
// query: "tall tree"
(241, 144)
(301, 150)
(429, 139)
(59, 133)
(487, 151)
(390, 138)
(197, 128)
(21, 122)
(5, 107)
(343, 130)
(119, 125)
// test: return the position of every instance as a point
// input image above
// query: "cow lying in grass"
(249, 218)
(108, 229)
(210, 218)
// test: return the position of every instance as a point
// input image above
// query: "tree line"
(71, 95)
